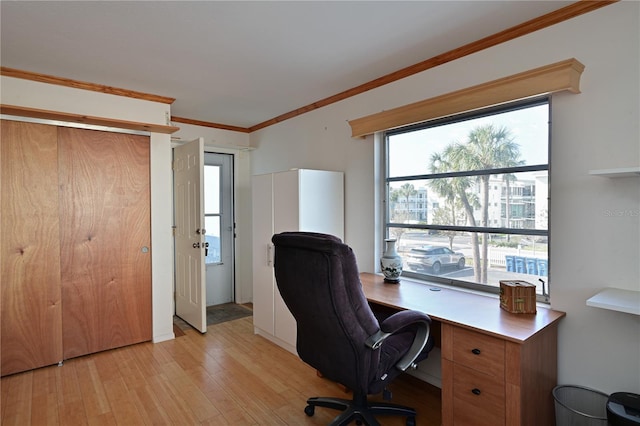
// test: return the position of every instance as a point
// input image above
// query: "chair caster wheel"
(309, 410)
(411, 421)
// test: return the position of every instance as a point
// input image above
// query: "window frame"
(484, 112)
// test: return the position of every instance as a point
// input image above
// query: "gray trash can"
(580, 406)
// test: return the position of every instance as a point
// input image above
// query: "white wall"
(593, 244)
(65, 99)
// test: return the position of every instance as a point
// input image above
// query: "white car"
(434, 258)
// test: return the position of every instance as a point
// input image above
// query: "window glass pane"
(211, 189)
(212, 236)
(473, 144)
(515, 200)
(468, 196)
(449, 254)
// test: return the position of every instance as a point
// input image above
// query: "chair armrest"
(397, 322)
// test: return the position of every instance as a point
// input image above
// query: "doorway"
(220, 228)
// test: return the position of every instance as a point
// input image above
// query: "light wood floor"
(230, 376)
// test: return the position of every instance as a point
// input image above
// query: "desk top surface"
(467, 310)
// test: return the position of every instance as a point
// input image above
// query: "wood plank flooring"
(229, 376)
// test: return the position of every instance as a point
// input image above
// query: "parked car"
(434, 258)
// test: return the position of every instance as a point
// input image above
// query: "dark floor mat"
(226, 312)
(216, 315)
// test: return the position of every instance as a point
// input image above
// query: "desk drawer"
(479, 351)
(478, 398)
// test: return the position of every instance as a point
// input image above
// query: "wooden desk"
(498, 368)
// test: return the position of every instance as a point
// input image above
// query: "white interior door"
(189, 234)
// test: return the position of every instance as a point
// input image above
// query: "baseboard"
(163, 337)
(284, 345)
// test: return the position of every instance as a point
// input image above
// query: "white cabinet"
(295, 200)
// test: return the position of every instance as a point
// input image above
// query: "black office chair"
(338, 334)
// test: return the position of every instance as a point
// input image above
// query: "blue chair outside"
(520, 268)
(532, 268)
(510, 263)
(543, 266)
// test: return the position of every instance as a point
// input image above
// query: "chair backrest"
(318, 279)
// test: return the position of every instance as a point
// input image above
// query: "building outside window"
(467, 197)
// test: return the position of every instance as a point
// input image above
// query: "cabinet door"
(105, 240)
(286, 215)
(321, 201)
(478, 398)
(263, 281)
(478, 351)
(286, 207)
(30, 264)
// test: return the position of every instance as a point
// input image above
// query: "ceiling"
(241, 63)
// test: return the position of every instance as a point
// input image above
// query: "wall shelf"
(616, 173)
(617, 299)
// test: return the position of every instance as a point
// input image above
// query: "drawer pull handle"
(475, 391)
(475, 351)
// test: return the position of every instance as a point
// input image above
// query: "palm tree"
(487, 147)
(395, 196)
(406, 191)
(445, 215)
(507, 178)
(453, 190)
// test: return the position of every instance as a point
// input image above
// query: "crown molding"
(60, 81)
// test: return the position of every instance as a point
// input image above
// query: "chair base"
(360, 412)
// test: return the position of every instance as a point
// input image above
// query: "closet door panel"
(31, 315)
(105, 240)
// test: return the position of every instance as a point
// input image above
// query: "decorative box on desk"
(518, 297)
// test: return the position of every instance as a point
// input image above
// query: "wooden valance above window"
(564, 75)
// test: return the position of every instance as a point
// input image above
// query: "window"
(484, 177)
(212, 213)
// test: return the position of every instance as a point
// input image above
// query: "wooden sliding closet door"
(31, 314)
(105, 235)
